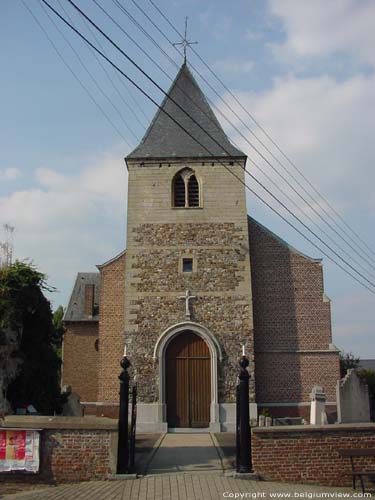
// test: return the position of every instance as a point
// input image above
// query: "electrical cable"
(83, 86)
(188, 133)
(263, 130)
(239, 132)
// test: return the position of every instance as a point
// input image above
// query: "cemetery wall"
(309, 454)
(72, 448)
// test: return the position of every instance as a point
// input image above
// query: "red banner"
(19, 450)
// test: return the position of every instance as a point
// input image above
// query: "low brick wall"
(309, 454)
(72, 449)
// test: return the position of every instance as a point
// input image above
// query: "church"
(198, 280)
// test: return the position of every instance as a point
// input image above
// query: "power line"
(94, 80)
(264, 132)
(143, 126)
(239, 132)
(83, 86)
(195, 139)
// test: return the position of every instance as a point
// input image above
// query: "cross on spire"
(185, 42)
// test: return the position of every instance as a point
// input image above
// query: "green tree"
(347, 361)
(369, 377)
(58, 327)
(25, 310)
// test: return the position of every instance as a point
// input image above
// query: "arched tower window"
(193, 191)
(179, 192)
(185, 189)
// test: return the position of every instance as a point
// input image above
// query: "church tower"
(188, 304)
(199, 279)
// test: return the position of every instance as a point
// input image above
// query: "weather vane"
(185, 42)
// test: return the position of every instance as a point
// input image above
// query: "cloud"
(10, 174)
(234, 66)
(69, 223)
(325, 126)
(321, 28)
(353, 328)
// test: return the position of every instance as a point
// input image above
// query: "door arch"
(188, 381)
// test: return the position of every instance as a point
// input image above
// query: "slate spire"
(165, 139)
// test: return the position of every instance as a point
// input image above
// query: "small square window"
(187, 265)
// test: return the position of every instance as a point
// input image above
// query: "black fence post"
(238, 438)
(244, 418)
(133, 428)
(123, 431)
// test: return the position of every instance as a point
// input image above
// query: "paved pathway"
(186, 453)
(175, 487)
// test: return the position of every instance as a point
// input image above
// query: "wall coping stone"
(314, 428)
(43, 422)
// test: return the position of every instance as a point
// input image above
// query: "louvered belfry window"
(186, 190)
(179, 192)
(193, 191)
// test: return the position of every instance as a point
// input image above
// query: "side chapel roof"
(75, 309)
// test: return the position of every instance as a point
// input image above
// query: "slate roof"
(75, 309)
(165, 139)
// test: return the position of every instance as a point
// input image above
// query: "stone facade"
(216, 237)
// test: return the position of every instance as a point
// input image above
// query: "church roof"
(75, 309)
(165, 139)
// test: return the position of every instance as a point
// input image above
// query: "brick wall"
(288, 377)
(72, 449)
(308, 454)
(111, 328)
(76, 455)
(80, 365)
(292, 322)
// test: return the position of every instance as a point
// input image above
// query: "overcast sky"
(304, 69)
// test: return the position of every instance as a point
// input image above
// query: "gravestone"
(72, 407)
(353, 403)
(268, 421)
(318, 406)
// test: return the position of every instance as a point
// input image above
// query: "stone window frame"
(186, 173)
(181, 264)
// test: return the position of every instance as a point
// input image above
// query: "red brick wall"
(310, 455)
(76, 455)
(80, 359)
(287, 377)
(290, 315)
(111, 329)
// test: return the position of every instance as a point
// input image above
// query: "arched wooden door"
(188, 381)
